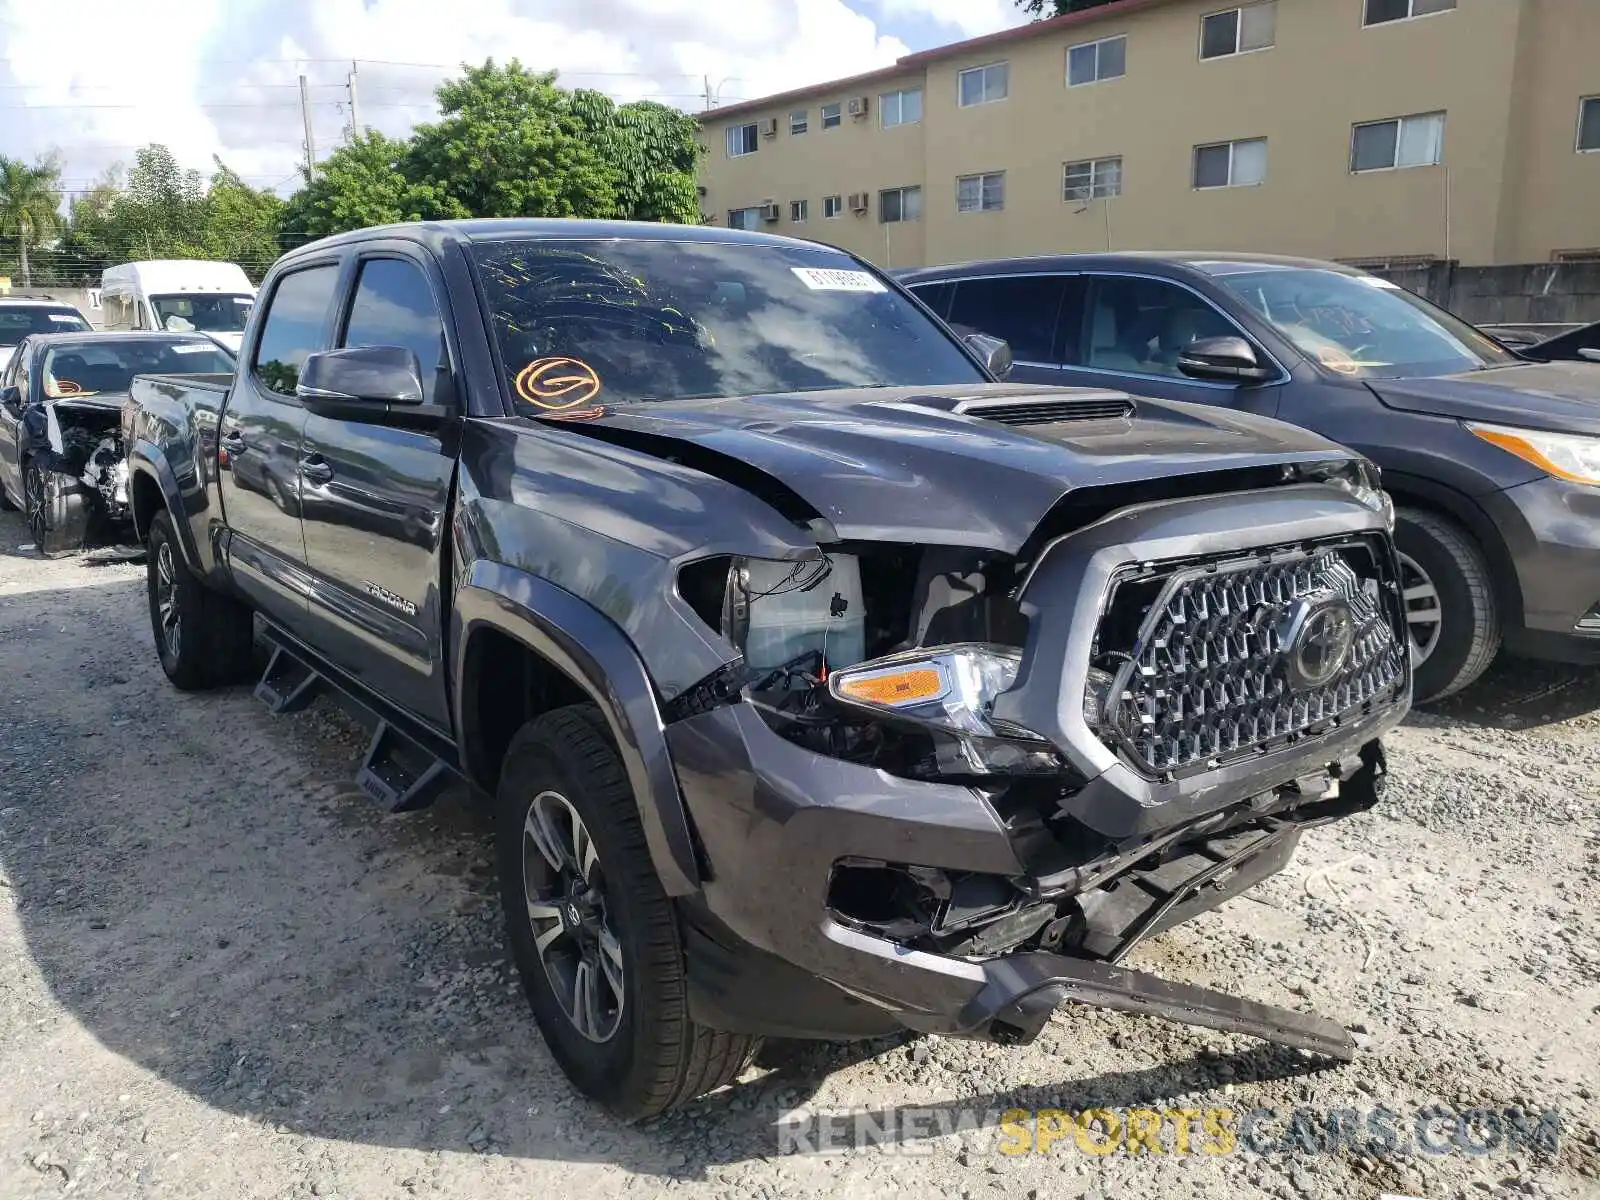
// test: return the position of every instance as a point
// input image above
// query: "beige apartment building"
(1363, 130)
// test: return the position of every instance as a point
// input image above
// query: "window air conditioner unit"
(859, 202)
(858, 106)
(769, 212)
(769, 127)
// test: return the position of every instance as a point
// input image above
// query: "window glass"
(1141, 325)
(1374, 146)
(1421, 141)
(1094, 61)
(661, 320)
(1211, 165)
(981, 193)
(394, 307)
(983, 85)
(17, 321)
(742, 140)
(1258, 25)
(1363, 326)
(1379, 11)
(798, 121)
(1021, 309)
(744, 218)
(936, 296)
(8, 377)
(1589, 124)
(900, 108)
(1249, 162)
(798, 211)
(830, 116)
(900, 204)
(832, 206)
(1219, 34)
(1094, 179)
(296, 321)
(101, 368)
(188, 312)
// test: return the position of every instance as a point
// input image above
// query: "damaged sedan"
(61, 454)
(821, 683)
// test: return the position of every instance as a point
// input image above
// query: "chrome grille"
(1219, 669)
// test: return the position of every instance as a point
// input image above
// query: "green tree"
(30, 206)
(1042, 9)
(161, 212)
(358, 185)
(511, 144)
(654, 149)
(241, 222)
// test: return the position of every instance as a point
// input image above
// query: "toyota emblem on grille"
(1318, 648)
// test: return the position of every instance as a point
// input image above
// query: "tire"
(56, 509)
(651, 1055)
(204, 639)
(1452, 651)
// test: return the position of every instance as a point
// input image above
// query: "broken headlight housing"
(949, 691)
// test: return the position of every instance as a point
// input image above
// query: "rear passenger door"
(1130, 331)
(1025, 310)
(375, 496)
(259, 443)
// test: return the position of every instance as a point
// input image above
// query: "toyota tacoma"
(822, 684)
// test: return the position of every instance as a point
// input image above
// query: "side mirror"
(361, 382)
(1226, 359)
(992, 351)
(11, 398)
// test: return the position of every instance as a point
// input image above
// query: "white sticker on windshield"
(820, 279)
(1377, 282)
(64, 318)
(191, 348)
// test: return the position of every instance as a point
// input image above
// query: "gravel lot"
(223, 972)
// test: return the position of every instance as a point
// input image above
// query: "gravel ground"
(223, 972)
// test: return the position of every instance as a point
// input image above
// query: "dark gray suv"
(1494, 461)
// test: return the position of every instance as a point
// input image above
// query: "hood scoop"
(1050, 408)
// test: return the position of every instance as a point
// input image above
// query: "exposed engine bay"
(79, 440)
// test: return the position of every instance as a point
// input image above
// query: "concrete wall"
(1508, 74)
(1534, 294)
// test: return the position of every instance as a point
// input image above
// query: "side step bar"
(399, 770)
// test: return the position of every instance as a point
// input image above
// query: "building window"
(1231, 164)
(983, 85)
(830, 116)
(900, 108)
(1589, 125)
(1093, 61)
(981, 193)
(744, 218)
(1381, 12)
(1404, 142)
(798, 121)
(1092, 179)
(900, 204)
(1239, 30)
(832, 206)
(798, 210)
(742, 140)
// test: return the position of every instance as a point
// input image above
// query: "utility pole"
(305, 116)
(355, 106)
(710, 98)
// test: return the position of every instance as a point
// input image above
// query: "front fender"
(592, 651)
(146, 460)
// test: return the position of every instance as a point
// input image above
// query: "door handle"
(233, 442)
(315, 468)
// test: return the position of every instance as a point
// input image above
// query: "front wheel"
(203, 638)
(1451, 610)
(593, 934)
(56, 510)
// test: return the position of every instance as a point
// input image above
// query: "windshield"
(1363, 326)
(91, 368)
(201, 312)
(17, 321)
(624, 320)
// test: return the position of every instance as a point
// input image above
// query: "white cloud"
(95, 79)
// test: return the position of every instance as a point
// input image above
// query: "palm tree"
(29, 205)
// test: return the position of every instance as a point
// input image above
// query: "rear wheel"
(203, 638)
(593, 934)
(56, 509)
(1451, 611)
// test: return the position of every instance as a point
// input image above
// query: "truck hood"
(899, 464)
(1560, 397)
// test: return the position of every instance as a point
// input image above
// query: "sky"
(93, 80)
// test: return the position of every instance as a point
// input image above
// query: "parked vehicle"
(61, 457)
(1493, 461)
(22, 315)
(179, 296)
(824, 686)
(1579, 343)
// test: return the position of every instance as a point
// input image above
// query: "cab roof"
(438, 234)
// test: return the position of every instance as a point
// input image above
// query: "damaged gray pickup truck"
(822, 685)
